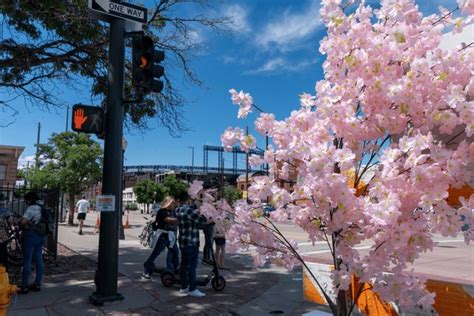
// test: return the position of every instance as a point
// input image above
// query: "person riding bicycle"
(33, 240)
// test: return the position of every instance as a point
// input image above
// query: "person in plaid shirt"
(189, 222)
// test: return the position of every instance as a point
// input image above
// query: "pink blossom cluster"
(232, 136)
(243, 100)
(394, 115)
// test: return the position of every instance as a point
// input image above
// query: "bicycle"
(14, 245)
(147, 232)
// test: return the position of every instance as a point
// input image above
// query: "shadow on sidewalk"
(67, 286)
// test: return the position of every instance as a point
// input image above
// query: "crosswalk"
(321, 247)
(305, 248)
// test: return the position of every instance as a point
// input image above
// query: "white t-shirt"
(33, 214)
(82, 206)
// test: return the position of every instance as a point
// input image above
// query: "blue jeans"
(172, 258)
(32, 251)
(208, 232)
(187, 270)
(159, 247)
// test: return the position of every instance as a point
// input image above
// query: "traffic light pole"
(107, 267)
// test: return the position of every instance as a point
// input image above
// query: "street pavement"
(249, 291)
(451, 259)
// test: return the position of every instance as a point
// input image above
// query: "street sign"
(105, 203)
(87, 119)
(105, 9)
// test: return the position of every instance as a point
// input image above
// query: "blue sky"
(272, 53)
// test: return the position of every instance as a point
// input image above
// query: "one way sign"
(104, 9)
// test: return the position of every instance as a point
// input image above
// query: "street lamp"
(192, 160)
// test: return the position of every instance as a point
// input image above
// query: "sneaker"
(34, 287)
(184, 291)
(22, 290)
(146, 276)
(196, 293)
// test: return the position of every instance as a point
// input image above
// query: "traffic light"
(145, 64)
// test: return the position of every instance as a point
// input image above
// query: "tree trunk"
(72, 206)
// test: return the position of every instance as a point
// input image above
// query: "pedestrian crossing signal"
(87, 119)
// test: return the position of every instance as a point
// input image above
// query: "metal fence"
(11, 200)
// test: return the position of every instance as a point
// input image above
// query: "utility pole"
(67, 118)
(247, 167)
(266, 147)
(121, 228)
(37, 146)
(107, 267)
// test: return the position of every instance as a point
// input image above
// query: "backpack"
(46, 224)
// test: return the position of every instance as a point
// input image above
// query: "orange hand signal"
(79, 118)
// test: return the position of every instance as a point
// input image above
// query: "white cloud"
(279, 64)
(269, 66)
(195, 38)
(238, 18)
(23, 162)
(229, 59)
(290, 28)
(29, 161)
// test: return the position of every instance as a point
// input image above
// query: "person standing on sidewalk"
(208, 230)
(33, 240)
(172, 257)
(219, 239)
(165, 236)
(189, 221)
(82, 207)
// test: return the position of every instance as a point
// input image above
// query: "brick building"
(9, 156)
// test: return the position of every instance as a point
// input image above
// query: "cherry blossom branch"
(257, 108)
(367, 166)
(327, 241)
(297, 255)
(466, 46)
(445, 16)
(454, 137)
(262, 246)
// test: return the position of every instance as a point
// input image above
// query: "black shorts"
(81, 216)
(220, 241)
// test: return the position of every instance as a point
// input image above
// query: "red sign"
(87, 119)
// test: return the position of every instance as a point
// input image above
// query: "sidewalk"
(248, 291)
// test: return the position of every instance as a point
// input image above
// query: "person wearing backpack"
(34, 234)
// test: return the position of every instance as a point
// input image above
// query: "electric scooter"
(218, 282)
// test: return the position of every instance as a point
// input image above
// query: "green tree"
(51, 42)
(44, 177)
(72, 162)
(145, 191)
(175, 188)
(160, 192)
(231, 194)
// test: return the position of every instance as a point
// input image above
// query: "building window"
(3, 172)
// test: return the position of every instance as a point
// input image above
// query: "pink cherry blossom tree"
(387, 132)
